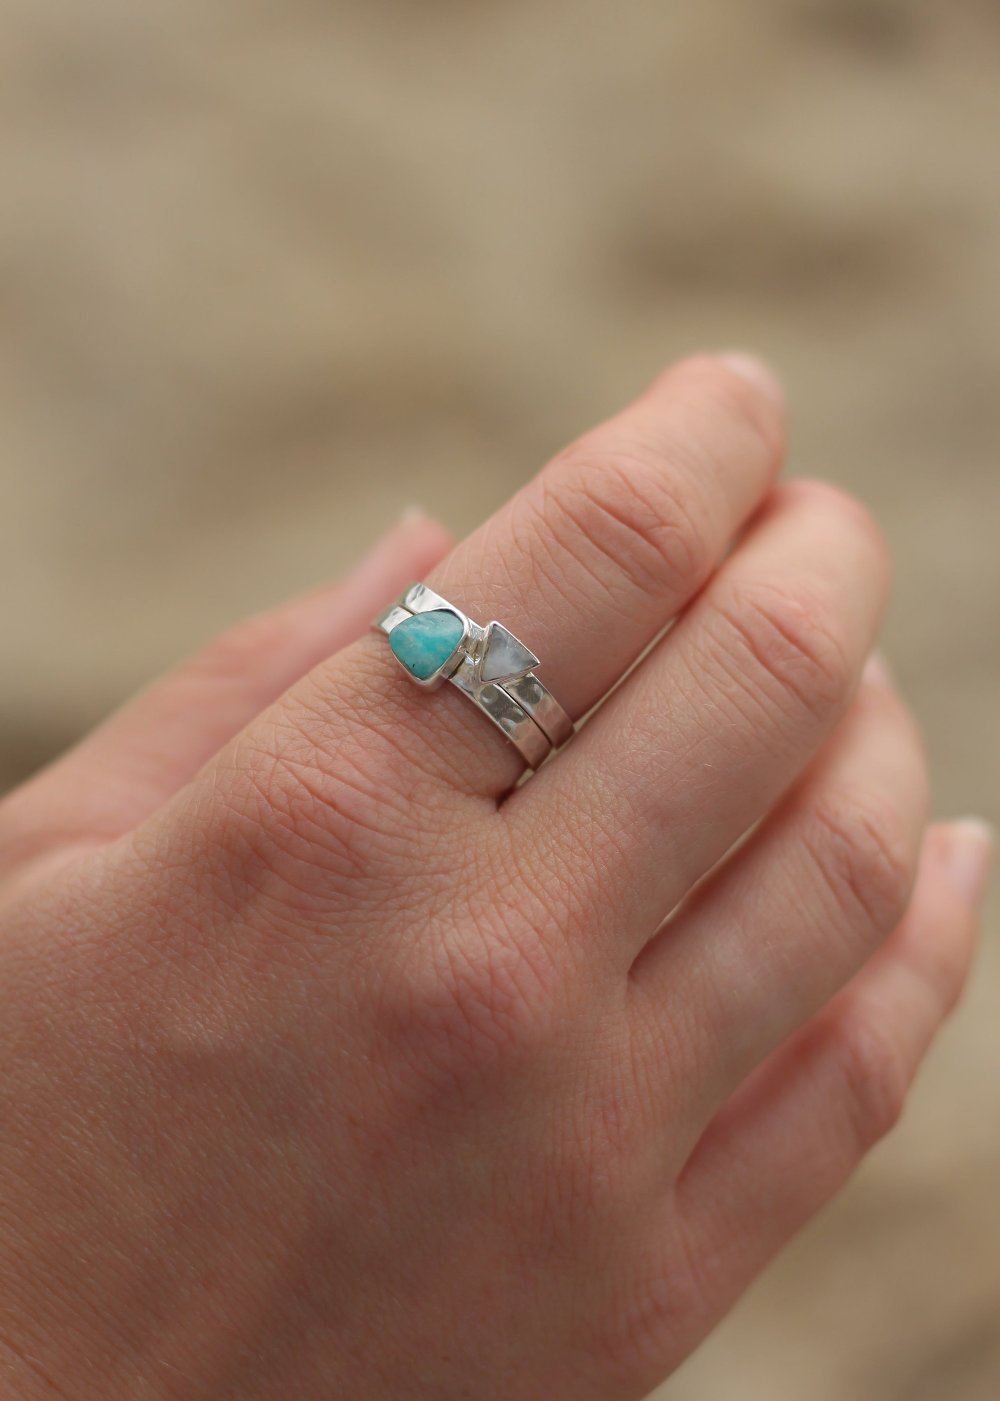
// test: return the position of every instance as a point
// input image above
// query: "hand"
(334, 1064)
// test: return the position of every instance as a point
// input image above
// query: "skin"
(336, 1064)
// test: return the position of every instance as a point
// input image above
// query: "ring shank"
(530, 739)
(521, 707)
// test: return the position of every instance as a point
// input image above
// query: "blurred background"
(271, 271)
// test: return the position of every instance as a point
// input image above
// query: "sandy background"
(272, 270)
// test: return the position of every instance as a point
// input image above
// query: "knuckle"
(624, 1346)
(590, 1167)
(619, 501)
(299, 808)
(464, 1003)
(603, 1144)
(864, 853)
(796, 644)
(654, 1303)
(874, 1077)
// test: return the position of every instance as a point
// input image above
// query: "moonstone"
(504, 656)
(424, 642)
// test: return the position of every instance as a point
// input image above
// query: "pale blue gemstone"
(424, 642)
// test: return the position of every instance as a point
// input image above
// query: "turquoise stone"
(424, 642)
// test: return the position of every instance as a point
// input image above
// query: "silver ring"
(488, 664)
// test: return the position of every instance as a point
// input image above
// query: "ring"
(434, 642)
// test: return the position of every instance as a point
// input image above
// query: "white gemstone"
(504, 657)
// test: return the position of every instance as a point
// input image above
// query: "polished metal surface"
(514, 699)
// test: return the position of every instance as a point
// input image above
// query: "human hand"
(336, 1064)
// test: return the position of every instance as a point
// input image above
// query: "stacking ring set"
(436, 642)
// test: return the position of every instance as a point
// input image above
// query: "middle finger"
(716, 724)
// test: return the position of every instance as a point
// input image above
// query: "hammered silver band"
(488, 664)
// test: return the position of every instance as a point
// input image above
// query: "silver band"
(490, 666)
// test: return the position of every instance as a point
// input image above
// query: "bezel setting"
(455, 657)
(509, 694)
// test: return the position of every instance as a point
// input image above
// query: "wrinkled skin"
(335, 1064)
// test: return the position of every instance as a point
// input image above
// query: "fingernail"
(754, 370)
(970, 858)
(876, 672)
(411, 514)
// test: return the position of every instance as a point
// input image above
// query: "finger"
(793, 915)
(794, 1134)
(158, 741)
(718, 721)
(585, 565)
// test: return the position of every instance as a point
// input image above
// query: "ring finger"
(586, 565)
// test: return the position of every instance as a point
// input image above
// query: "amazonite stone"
(424, 642)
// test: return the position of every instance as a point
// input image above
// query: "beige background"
(273, 269)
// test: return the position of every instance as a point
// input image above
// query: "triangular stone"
(504, 657)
